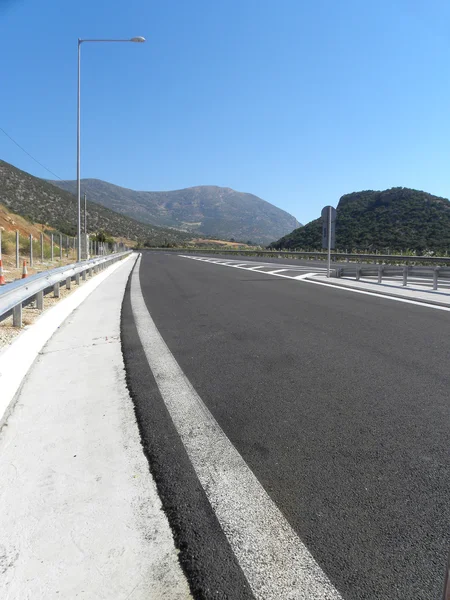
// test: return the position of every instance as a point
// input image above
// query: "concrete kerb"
(16, 359)
(377, 288)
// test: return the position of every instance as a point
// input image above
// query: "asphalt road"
(336, 401)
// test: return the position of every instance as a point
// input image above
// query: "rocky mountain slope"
(204, 210)
(40, 201)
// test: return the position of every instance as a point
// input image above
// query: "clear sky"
(296, 101)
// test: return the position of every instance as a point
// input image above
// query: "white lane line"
(275, 272)
(246, 268)
(353, 290)
(248, 263)
(274, 560)
(378, 295)
(255, 268)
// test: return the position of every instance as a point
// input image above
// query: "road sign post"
(328, 232)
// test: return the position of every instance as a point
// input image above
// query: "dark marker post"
(328, 232)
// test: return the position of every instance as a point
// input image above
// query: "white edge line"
(288, 267)
(348, 289)
(274, 560)
(17, 359)
(378, 295)
(260, 266)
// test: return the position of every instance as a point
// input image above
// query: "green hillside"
(392, 220)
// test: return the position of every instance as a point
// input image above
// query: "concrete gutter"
(80, 515)
(16, 359)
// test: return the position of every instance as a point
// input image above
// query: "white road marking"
(304, 276)
(248, 263)
(275, 272)
(274, 560)
(245, 267)
(349, 289)
(378, 295)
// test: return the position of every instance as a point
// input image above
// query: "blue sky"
(295, 101)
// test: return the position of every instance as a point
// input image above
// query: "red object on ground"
(24, 270)
(2, 277)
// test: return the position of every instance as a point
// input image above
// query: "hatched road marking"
(272, 557)
(250, 266)
(307, 277)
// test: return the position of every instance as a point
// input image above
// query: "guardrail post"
(56, 293)
(40, 300)
(83, 275)
(17, 316)
(358, 273)
(31, 250)
(435, 278)
(77, 278)
(17, 250)
(380, 273)
(405, 276)
(68, 283)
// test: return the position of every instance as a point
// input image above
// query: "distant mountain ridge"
(39, 201)
(391, 220)
(212, 211)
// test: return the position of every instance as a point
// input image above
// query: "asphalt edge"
(17, 359)
(225, 579)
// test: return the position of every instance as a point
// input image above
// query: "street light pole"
(85, 228)
(78, 159)
(80, 41)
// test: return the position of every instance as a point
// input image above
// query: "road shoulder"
(80, 514)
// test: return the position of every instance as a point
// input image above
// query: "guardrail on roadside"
(335, 256)
(405, 272)
(14, 296)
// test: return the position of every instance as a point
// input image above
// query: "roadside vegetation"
(398, 220)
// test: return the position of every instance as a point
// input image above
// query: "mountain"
(204, 210)
(37, 200)
(391, 220)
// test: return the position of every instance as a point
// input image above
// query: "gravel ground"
(8, 333)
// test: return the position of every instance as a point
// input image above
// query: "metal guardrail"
(335, 256)
(14, 296)
(405, 272)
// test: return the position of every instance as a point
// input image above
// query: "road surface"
(332, 410)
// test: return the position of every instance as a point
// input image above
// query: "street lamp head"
(138, 39)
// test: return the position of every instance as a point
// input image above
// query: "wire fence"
(51, 247)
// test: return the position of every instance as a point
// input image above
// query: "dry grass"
(11, 273)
